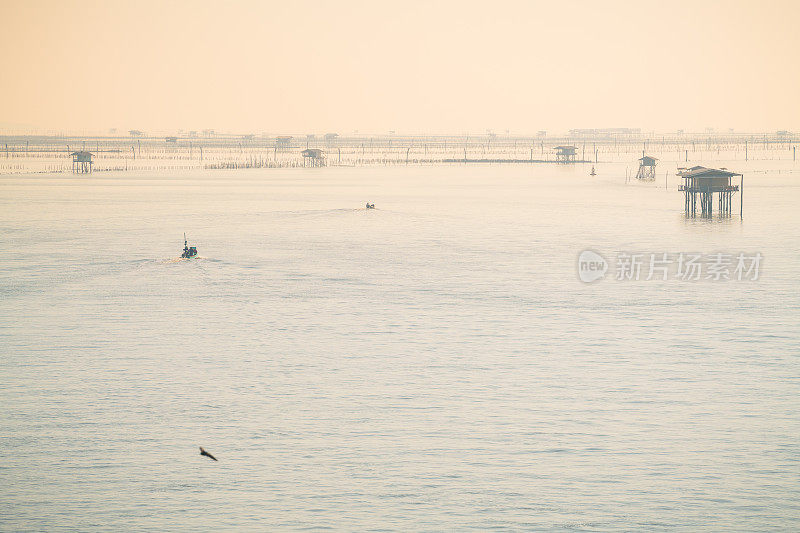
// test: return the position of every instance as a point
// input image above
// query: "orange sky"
(410, 66)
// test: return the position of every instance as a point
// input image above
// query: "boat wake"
(172, 260)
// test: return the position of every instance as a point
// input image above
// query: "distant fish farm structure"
(206, 149)
(565, 154)
(647, 168)
(81, 162)
(314, 156)
(700, 184)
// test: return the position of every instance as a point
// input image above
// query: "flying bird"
(203, 452)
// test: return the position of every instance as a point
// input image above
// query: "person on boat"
(187, 251)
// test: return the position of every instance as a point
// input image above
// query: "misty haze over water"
(418, 266)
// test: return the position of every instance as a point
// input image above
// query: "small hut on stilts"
(701, 183)
(314, 156)
(565, 154)
(82, 162)
(647, 168)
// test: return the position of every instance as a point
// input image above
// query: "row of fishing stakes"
(700, 184)
(235, 151)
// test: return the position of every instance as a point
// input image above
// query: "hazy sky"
(410, 66)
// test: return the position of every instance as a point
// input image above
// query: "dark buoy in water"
(370, 206)
(188, 251)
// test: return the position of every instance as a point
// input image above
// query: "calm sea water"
(434, 364)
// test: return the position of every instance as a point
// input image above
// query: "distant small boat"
(188, 251)
(370, 206)
(593, 173)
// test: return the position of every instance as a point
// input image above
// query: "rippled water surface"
(433, 364)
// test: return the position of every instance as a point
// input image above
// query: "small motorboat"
(593, 173)
(188, 251)
(370, 206)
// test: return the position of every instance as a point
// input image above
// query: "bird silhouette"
(203, 452)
